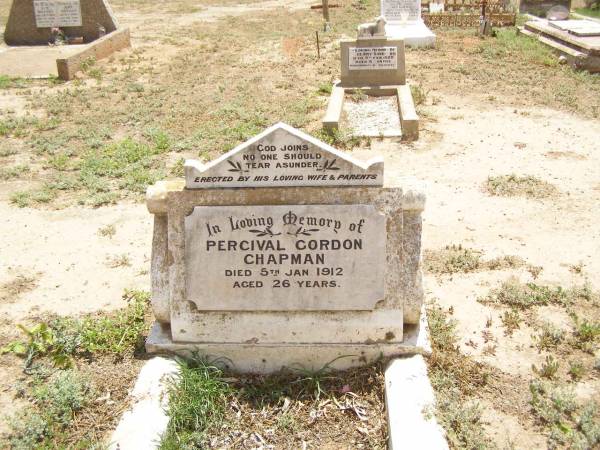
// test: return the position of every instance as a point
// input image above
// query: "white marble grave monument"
(286, 252)
(404, 22)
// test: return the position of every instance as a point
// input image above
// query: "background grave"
(29, 30)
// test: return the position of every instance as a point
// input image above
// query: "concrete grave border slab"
(409, 401)
(409, 120)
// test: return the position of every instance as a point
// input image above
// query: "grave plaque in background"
(285, 257)
(57, 13)
(401, 10)
(373, 58)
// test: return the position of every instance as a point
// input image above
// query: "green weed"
(586, 334)
(325, 88)
(7, 82)
(454, 378)
(576, 370)
(63, 338)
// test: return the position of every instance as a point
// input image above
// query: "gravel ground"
(373, 117)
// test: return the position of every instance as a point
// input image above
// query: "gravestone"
(551, 9)
(285, 251)
(372, 59)
(404, 22)
(30, 22)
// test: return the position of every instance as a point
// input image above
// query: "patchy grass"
(55, 399)
(63, 338)
(519, 186)
(590, 12)
(569, 423)
(121, 131)
(11, 290)
(23, 199)
(458, 259)
(116, 261)
(322, 409)
(77, 377)
(523, 296)
(507, 44)
(456, 379)
(7, 82)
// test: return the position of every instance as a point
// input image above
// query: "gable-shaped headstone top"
(283, 156)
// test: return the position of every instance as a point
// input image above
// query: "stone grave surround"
(30, 21)
(319, 261)
(404, 22)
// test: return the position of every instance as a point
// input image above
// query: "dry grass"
(520, 186)
(458, 259)
(12, 289)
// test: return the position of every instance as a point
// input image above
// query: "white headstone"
(57, 13)
(283, 156)
(404, 22)
(401, 10)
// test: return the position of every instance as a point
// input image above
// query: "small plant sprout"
(548, 369)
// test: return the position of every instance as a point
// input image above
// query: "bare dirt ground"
(486, 113)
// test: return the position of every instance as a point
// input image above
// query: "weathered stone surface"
(283, 156)
(265, 358)
(69, 67)
(372, 62)
(22, 29)
(273, 276)
(159, 270)
(289, 257)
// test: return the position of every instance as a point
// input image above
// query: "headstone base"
(267, 358)
(414, 34)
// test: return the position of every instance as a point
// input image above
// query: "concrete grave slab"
(35, 62)
(146, 420)
(581, 52)
(410, 400)
(30, 21)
